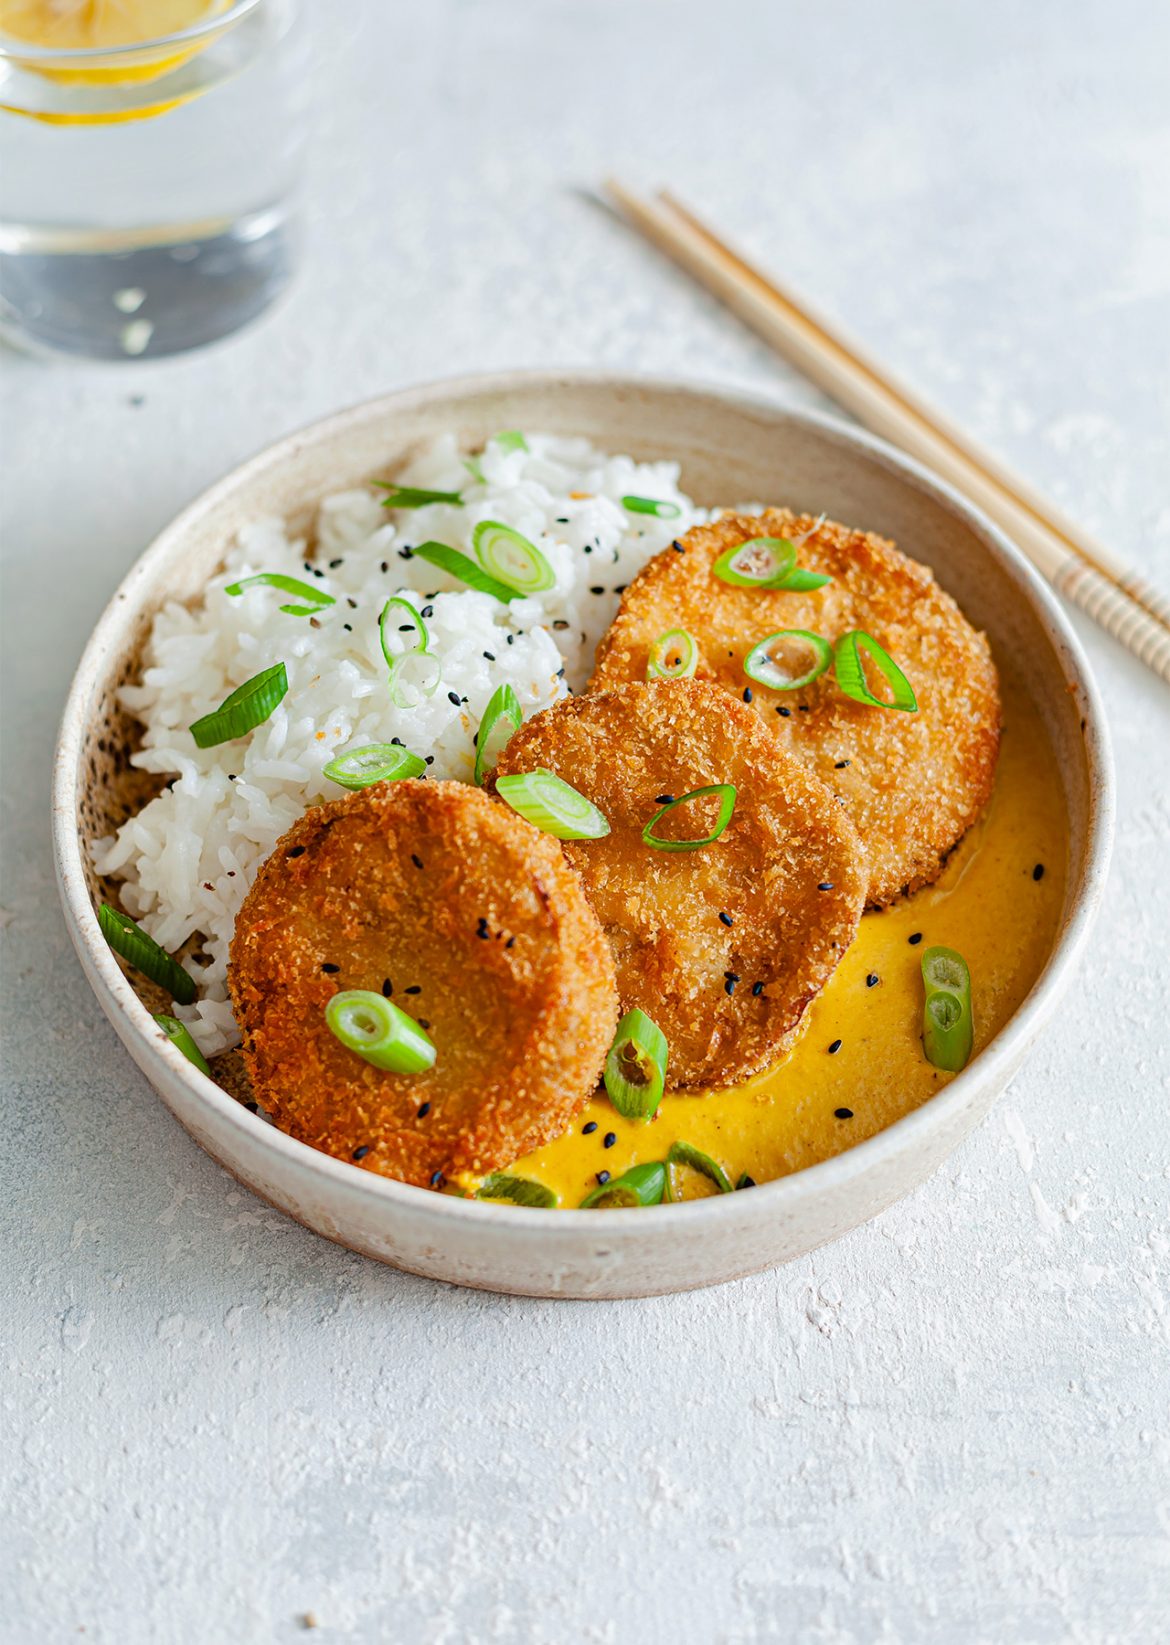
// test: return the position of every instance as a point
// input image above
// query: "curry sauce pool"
(988, 903)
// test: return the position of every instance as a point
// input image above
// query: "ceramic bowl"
(731, 445)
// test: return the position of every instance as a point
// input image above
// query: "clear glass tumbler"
(148, 186)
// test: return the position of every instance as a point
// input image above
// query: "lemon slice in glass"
(143, 27)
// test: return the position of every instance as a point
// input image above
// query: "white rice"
(188, 857)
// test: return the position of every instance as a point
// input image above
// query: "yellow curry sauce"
(988, 903)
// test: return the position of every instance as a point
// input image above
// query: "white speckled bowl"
(731, 445)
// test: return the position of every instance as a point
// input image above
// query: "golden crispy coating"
(470, 920)
(692, 971)
(914, 783)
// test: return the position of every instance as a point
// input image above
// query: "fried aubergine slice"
(724, 945)
(914, 782)
(466, 917)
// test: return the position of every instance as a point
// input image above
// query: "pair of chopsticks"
(1122, 603)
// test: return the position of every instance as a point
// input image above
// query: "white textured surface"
(952, 1425)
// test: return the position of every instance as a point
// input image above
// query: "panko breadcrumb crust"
(469, 919)
(725, 946)
(913, 783)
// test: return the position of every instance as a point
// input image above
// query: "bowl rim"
(996, 1062)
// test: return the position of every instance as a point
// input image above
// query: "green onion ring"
(406, 692)
(659, 666)
(551, 805)
(126, 937)
(374, 763)
(379, 1032)
(761, 562)
(457, 564)
(851, 673)
(502, 718)
(683, 1156)
(415, 496)
(760, 666)
(635, 1068)
(948, 1029)
(640, 1185)
(800, 581)
(248, 706)
(510, 440)
(726, 792)
(661, 509)
(422, 639)
(505, 554)
(316, 597)
(180, 1037)
(517, 1191)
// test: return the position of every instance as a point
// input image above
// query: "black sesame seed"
(333, 564)
(588, 1129)
(872, 980)
(252, 1107)
(746, 1182)
(387, 988)
(424, 1110)
(415, 988)
(385, 567)
(679, 548)
(825, 885)
(348, 627)
(427, 611)
(589, 548)
(560, 623)
(510, 942)
(398, 741)
(803, 708)
(597, 591)
(914, 939)
(490, 655)
(406, 553)
(664, 799)
(757, 989)
(1038, 871)
(416, 860)
(296, 850)
(609, 1139)
(726, 917)
(843, 1113)
(437, 1179)
(360, 1153)
(562, 519)
(603, 1177)
(747, 693)
(511, 639)
(331, 968)
(785, 713)
(317, 572)
(834, 1048)
(406, 628)
(840, 765)
(424, 1022)
(729, 985)
(481, 929)
(453, 697)
(428, 759)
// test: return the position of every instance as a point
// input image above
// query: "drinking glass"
(148, 188)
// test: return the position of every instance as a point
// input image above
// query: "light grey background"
(951, 1426)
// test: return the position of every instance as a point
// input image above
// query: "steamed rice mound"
(912, 782)
(471, 921)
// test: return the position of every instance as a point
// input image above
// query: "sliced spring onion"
(506, 555)
(683, 1157)
(128, 938)
(673, 656)
(475, 468)
(400, 617)
(517, 1191)
(760, 665)
(640, 1185)
(851, 673)
(248, 706)
(947, 1022)
(635, 1069)
(316, 599)
(374, 763)
(726, 793)
(800, 581)
(180, 1037)
(501, 720)
(761, 562)
(510, 440)
(413, 678)
(660, 508)
(551, 805)
(456, 564)
(379, 1032)
(415, 496)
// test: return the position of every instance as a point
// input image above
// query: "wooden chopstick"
(1125, 606)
